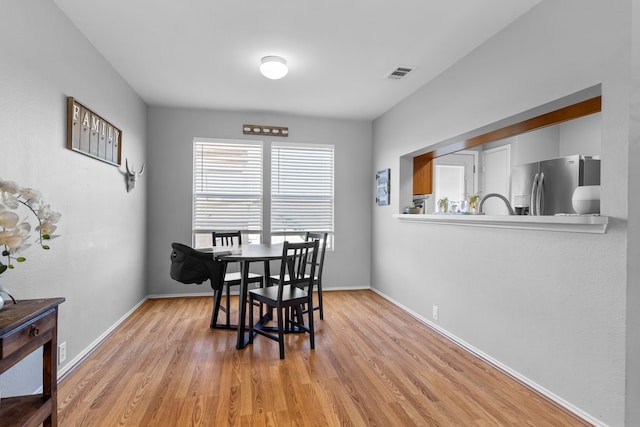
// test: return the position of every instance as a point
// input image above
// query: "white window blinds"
(227, 185)
(301, 187)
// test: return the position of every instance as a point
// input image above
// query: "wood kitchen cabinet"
(25, 327)
(423, 174)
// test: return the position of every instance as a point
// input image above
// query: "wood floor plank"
(373, 365)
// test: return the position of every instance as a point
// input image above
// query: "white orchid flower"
(10, 200)
(32, 195)
(4, 234)
(46, 228)
(12, 240)
(24, 227)
(8, 219)
(14, 234)
(46, 214)
(9, 187)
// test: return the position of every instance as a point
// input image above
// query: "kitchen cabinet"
(422, 174)
(25, 327)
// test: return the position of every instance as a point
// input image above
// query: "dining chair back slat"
(322, 239)
(226, 238)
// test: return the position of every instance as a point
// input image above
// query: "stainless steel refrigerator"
(546, 187)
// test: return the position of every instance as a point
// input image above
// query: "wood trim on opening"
(574, 111)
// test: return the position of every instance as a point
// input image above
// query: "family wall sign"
(90, 134)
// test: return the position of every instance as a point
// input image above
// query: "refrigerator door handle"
(532, 203)
(540, 195)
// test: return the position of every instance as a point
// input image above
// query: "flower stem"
(39, 227)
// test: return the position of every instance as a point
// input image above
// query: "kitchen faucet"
(500, 196)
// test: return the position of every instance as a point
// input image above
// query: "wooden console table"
(25, 327)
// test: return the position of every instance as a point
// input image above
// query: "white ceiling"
(206, 53)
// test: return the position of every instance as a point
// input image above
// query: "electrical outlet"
(62, 352)
(436, 312)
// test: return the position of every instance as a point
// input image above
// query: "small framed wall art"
(90, 134)
(382, 187)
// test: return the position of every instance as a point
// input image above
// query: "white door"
(497, 179)
(454, 176)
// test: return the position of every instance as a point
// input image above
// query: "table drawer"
(31, 331)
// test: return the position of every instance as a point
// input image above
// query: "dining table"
(245, 254)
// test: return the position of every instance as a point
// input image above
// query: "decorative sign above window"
(265, 130)
(90, 134)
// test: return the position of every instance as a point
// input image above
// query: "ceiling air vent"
(400, 72)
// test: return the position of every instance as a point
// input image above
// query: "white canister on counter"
(586, 199)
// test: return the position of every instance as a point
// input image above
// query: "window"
(301, 189)
(227, 188)
(455, 178)
(230, 191)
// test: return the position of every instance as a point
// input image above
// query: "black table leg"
(242, 312)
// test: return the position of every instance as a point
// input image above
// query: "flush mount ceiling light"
(273, 67)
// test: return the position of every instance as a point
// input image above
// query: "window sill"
(573, 224)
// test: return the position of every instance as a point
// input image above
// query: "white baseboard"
(235, 292)
(64, 369)
(480, 354)
(182, 295)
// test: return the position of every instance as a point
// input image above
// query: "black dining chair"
(234, 278)
(322, 242)
(293, 292)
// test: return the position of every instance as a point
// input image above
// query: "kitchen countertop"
(594, 224)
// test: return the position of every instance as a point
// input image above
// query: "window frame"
(265, 234)
(318, 179)
(198, 232)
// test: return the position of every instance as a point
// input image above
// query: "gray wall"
(171, 133)
(549, 307)
(581, 136)
(633, 266)
(98, 262)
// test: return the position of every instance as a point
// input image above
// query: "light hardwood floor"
(374, 365)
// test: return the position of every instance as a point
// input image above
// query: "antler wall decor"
(132, 176)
